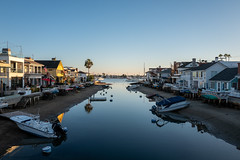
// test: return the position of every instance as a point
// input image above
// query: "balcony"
(15, 70)
(3, 75)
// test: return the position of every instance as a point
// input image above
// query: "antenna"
(144, 70)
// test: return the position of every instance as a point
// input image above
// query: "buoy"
(47, 149)
(154, 120)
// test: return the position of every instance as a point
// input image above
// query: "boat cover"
(21, 118)
(170, 101)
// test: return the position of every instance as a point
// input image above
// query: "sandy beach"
(48, 109)
(220, 122)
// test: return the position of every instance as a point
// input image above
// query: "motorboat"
(34, 126)
(170, 104)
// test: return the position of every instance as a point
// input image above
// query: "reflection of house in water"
(229, 133)
(34, 141)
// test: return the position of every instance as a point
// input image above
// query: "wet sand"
(223, 123)
(48, 109)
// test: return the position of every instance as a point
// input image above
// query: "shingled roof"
(203, 66)
(49, 64)
(226, 75)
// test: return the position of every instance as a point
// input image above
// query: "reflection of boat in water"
(170, 104)
(175, 117)
(164, 118)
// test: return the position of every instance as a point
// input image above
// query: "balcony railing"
(15, 70)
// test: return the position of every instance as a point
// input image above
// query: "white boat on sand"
(170, 104)
(34, 126)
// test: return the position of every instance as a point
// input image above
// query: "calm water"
(122, 129)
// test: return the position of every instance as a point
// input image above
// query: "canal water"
(122, 127)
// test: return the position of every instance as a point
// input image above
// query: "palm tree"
(220, 56)
(226, 56)
(88, 64)
(229, 56)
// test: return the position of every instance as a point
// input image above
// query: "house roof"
(29, 61)
(166, 70)
(49, 64)
(203, 66)
(226, 75)
(82, 72)
(184, 64)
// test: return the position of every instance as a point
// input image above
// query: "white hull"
(173, 107)
(36, 131)
(3, 105)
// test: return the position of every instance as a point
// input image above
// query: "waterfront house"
(225, 80)
(81, 77)
(3, 75)
(185, 78)
(32, 72)
(204, 72)
(15, 74)
(53, 68)
(153, 75)
(165, 74)
(70, 74)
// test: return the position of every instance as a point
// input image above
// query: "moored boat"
(170, 104)
(34, 126)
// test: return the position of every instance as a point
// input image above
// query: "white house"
(184, 70)
(32, 72)
(204, 72)
(81, 77)
(15, 74)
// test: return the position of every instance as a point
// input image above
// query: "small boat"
(170, 104)
(152, 96)
(98, 99)
(34, 126)
(3, 104)
(47, 149)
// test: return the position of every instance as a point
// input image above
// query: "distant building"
(15, 74)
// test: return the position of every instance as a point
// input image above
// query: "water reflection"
(175, 117)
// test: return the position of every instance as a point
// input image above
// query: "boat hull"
(35, 131)
(172, 107)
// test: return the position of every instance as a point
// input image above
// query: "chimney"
(216, 59)
(238, 68)
(6, 51)
(54, 59)
(194, 62)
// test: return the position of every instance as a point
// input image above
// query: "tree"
(220, 56)
(88, 64)
(229, 56)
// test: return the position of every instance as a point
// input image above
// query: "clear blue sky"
(119, 36)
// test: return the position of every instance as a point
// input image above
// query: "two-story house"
(185, 79)
(32, 72)
(206, 71)
(54, 68)
(15, 74)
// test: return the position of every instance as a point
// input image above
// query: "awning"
(48, 79)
